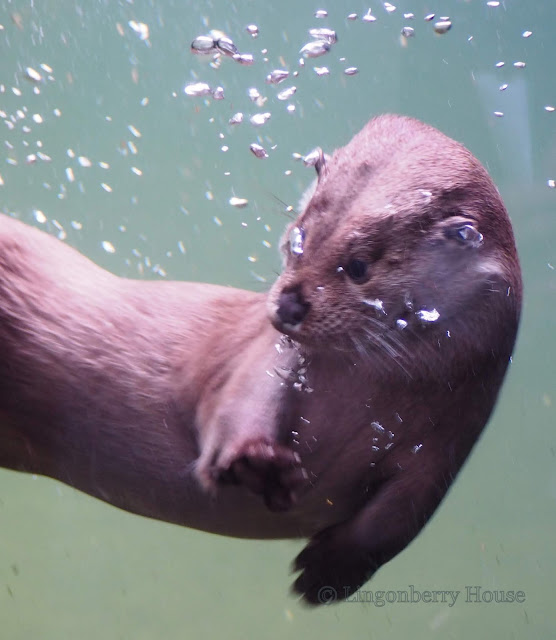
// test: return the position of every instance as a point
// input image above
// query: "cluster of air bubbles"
(381, 432)
(217, 44)
(203, 89)
(321, 43)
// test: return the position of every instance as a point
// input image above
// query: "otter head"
(405, 233)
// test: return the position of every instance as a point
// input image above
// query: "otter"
(338, 406)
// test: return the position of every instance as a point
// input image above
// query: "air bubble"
(277, 76)
(442, 26)
(315, 49)
(239, 203)
(197, 89)
(258, 151)
(286, 94)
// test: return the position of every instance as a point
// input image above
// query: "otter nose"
(292, 308)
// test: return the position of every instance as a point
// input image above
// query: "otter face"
(404, 233)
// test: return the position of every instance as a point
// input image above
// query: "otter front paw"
(268, 469)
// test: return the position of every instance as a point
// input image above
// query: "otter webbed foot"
(340, 559)
(333, 566)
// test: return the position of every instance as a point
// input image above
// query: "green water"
(72, 567)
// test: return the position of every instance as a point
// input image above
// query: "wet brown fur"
(182, 401)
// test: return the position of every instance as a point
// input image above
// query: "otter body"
(339, 406)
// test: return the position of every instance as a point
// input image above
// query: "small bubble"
(315, 49)
(253, 94)
(551, 183)
(286, 94)
(203, 45)
(427, 316)
(368, 17)
(237, 118)
(429, 17)
(258, 151)
(376, 304)
(69, 174)
(503, 87)
(493, 3)
(328, 35)
(321, 13)
(108, 246)
(442, 26)
(37, 118)
(378, 427)
(197, 89)
(351, 71)
(258, 119)
(352, 16)
(499, 114)
(549, 108)
(140, 28)
(106, 187)
(218, 93)
(134, 132)
(239, 203)
(252, 30)
(246, 59)
(277, 76)
(390, 8)
(226, 46)
(408, 32)
(500, 64)
(297, 238)
(520, 64)
(416, 448)
(527, 34)
(32, 75)
(322, 71)
(39, 216)
(62, 235)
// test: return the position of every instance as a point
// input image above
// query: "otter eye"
(466, 234)
(357, 270)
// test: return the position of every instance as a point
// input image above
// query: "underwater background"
(101, 146)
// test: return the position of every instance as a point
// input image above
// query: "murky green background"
(72, 567)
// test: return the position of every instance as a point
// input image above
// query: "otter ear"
(321, 165)
(318, 159)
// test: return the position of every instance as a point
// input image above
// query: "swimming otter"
(340, 405)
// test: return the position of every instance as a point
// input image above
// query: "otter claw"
(268, 469)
